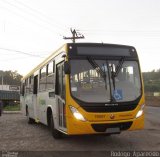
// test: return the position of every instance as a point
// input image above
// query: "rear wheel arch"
(30, 120)
(26, 109)
(49, 114)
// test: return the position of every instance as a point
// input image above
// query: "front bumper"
(76, 127)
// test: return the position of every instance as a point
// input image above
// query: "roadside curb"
(11, 112)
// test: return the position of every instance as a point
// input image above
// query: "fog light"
(140, 112)
(77, 114)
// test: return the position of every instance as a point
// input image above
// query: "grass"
(12, 108)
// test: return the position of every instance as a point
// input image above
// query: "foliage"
(12, 107)
(10, 77)
(152, 81)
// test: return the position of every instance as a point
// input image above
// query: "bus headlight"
(77, 114)
(140, 112)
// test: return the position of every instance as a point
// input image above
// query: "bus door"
(22, 100)
(35, 104)
(60, 96)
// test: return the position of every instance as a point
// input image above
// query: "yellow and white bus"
(86, 88)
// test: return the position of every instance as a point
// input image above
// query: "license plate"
(113, 130)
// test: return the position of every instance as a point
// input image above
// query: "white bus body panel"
(44, 101)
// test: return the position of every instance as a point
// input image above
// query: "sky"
(30, 30)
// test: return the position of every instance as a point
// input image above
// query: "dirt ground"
(21, 139)
(152, 101)
(17, 135)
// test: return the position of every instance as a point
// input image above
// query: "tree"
(10, 77)
(152, 81)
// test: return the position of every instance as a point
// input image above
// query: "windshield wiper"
(117, 70)
(113, 77)
(98, 69)
(119, 66)
(114, 74)
(113, 100)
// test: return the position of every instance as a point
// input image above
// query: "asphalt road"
(17, 135)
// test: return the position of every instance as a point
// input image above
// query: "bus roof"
(65, 47)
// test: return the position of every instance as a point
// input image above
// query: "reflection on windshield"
(126, 81)
(100, 70)
(89, 85)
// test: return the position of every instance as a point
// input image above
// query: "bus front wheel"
(55, 133)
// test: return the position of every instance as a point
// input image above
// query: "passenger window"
(50, 68)
(42, 81)
(27, 86)
(50, 76)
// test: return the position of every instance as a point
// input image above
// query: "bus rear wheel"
(30, 120)
(55, 133)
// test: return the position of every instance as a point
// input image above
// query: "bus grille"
(120, 108)
(103, 127)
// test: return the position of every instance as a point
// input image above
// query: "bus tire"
(55, 133)
(30, 120)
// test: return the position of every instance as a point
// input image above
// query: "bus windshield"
(98, 81)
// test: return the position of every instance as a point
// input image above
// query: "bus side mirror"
(66, 68)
